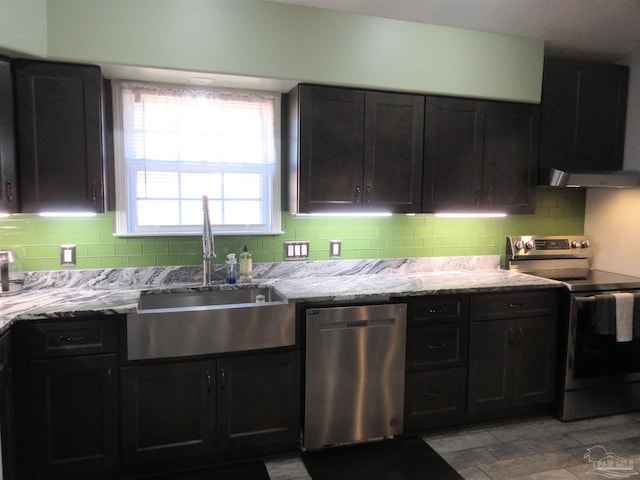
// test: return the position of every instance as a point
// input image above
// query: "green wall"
(23, 27)
(272, 40)
(37, 240)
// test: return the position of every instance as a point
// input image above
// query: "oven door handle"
(585, 299)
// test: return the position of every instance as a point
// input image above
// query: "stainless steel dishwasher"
(354, 374)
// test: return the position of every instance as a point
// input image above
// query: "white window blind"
(178, 144)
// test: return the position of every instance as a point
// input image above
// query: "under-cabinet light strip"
(471, 215)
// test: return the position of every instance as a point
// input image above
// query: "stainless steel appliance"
(354, 384)
(592, 178)
(11, 275)
(598, 375)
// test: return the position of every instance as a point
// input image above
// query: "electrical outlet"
(297, 250)
(335, 248)
(68, 255)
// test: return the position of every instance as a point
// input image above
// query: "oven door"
(595, 359)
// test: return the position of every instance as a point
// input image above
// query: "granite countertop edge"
(82, 300)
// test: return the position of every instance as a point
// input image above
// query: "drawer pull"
(72, 339)
(516, 305)
(430, 393)
(209, 383)
(437, 346)
(436, 311)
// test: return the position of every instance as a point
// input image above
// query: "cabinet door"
(59, 112)
(453, 154)
(437, 346)
(491, 356)
(330, 149)
(258, 403)
(496, 306)
(583, 113)
(168, 413)
(7, 429)
(8, 186)
(511, 157)
(602, 108)
(434, 398)
(74, 411)
(394, 125)
(535, 360)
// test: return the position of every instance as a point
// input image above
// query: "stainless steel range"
(599, 372)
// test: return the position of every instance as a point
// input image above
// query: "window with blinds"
(175, 144)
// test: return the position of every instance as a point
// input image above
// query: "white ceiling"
(604, 30)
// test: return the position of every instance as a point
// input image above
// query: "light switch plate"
(296, 250)
(68, 255)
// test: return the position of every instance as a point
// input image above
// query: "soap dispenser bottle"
(232, 266)
(246, 265)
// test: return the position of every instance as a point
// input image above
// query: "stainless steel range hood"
(592, 178)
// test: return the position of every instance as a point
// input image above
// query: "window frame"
(122, 178)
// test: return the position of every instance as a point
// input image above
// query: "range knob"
(576, 244)
(529, 245)
(519, 245)
(585, 244)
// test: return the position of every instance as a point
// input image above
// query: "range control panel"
(556, 246)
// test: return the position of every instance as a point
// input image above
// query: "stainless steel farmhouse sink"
(201, 322)
(200, 298)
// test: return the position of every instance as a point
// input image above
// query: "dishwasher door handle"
(383, 322)
(358, 323)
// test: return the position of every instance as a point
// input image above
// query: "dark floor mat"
(240, 471)
(397, 459)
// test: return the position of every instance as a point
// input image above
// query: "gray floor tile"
(606, 433)
(464, 458)
(461, 441)
(286, 468)
(473, 473)
(522, 448)
(562, 474)
(521, 466)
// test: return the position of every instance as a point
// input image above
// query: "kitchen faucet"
(208, 249)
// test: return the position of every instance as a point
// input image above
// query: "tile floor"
(540, 448)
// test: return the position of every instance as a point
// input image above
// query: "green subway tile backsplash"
(37, 240)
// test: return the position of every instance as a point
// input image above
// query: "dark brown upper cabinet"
(8, 186)
(583, 116)
(480, 156)
(353, 150)
(60, 148)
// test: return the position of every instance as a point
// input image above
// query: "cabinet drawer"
(80, 337)
(431, 346)
(437, 309)
(434, 398)
(514, 305)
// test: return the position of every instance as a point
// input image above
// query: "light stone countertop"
(116, 291)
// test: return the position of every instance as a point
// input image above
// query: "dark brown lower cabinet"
(511, 363)
(434, 398)
(258, 403)
(7, 429)
(73, 407)
(168, 412)
(199, 412)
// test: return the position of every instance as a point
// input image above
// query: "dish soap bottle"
(246, 265)
(231, 268)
